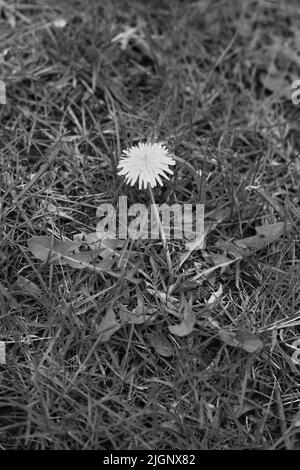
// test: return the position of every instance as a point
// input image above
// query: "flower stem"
(162, 233)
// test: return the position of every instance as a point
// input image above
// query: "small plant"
(146, 163)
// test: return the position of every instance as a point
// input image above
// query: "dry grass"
(192, 77)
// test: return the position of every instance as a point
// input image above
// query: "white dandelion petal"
(166, 169)
(159, 180)
(146, 163)
(164, 175)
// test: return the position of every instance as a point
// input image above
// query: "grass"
(192, 76)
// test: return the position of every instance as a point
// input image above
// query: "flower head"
(146, 163)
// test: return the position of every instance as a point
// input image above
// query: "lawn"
(145, 344)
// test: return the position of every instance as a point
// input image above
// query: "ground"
(211, 80)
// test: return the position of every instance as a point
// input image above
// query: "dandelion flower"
(146, 163)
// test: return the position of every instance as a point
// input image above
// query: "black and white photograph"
(149, 228)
